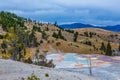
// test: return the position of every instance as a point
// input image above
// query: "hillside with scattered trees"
(22, 39)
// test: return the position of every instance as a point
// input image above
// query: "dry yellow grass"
(77, 47)
(70, 46)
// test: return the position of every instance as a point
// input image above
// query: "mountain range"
(115, 28)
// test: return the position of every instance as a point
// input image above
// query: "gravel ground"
(108, 72)
(105, 67)
(13, 70)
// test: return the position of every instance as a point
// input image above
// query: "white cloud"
(91, 11)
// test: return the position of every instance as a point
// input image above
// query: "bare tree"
(90, 66)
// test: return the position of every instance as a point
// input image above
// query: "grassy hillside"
(28, 36)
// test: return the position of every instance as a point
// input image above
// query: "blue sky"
(97, 12)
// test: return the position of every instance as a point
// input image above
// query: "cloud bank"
(98, 12)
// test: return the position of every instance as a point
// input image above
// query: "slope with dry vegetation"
(47, 37)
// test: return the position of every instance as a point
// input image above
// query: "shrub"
(47, 29)
(29, 60)
(59, 35)
(86, 34)
(58, 43)
(1, 36)
(77, 46)
(48, 41)
(41, 41)
(44, 35)
(89, 43)
(4, 45)
(55, 35)
(35, 28)
(33, 77)
(70, 31)
(46, 75)
(50, 64)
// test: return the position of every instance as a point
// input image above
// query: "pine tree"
(4, 45)
(119, 47)
(60, 36)
(86, 34)
(103, 48)
(108, 50)
(55, 35)
(90, 34)
(75, 36)
(59, 33)
(55, 24)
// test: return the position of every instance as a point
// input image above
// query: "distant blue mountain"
(76, 25)
(115, 28)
